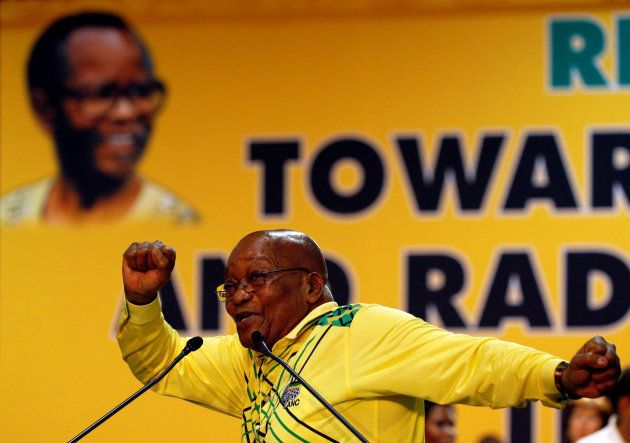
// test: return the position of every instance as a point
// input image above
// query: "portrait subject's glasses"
(146, 97)
(250, 283)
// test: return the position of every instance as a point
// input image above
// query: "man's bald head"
(289, 249)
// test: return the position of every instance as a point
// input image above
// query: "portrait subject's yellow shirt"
(374, 364)
(25, 206)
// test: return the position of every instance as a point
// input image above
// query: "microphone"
(191, 345)
(259, 342)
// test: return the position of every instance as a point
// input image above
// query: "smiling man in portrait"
(93, 89)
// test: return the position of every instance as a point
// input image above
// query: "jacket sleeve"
(211, 376)
(411, 357)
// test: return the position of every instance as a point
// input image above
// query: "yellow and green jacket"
(374, 364)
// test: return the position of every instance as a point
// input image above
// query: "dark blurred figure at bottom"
(583, 417)
(440, 423)
(489, 438)
(618, 428)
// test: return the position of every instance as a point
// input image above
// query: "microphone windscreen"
(258, 338)
(194, 343)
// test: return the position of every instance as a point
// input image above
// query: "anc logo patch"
(290, 395)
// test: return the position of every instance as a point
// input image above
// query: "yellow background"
(238, 71)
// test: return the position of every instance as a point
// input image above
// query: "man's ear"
(44, 109)
(315, 288)
(623, 403)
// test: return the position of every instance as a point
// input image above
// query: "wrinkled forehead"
(280, 248)
(253, 249)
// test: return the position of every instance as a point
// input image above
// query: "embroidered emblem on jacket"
(290, 396)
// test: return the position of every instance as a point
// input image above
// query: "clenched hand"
(146, 267)
(593, 370)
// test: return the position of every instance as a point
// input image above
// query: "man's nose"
(241, 295)
(123, 108)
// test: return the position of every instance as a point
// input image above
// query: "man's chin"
(118, 175)
(246, 342)
(118, 165)
(245, 336)
(95, 185)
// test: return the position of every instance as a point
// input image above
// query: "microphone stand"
(192, 345)
(259, 341)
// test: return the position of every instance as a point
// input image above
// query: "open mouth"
(121, 148)
(243, 318)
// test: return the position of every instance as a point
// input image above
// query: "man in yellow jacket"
(375, 365)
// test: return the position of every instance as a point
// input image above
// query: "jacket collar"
(306, 321)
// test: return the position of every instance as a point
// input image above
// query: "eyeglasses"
(146, 97)
(250, 283)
